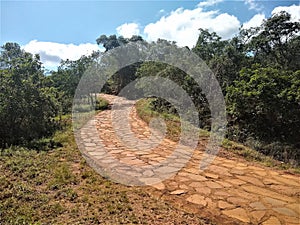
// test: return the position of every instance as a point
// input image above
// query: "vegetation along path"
(229, 191)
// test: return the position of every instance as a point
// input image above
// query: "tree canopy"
(27, 105)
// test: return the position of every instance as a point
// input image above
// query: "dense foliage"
(67, 77)
(263, 100)
(258, 71)
(125, 75)
(27, 104)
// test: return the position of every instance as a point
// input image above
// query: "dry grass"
(229, 148)
(58, 187)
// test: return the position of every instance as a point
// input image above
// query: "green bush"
(101, 104)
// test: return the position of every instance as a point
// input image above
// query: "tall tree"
(125, 75)
(209, 45)
(112, 41)
(276, 43)
(27, 105)
(68, 76)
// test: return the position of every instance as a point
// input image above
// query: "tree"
(67, 77)
(163, 50)
(264, 104)
(224, 57)
(27, 105)
(112, 41)
(125, 75)
(209, 45)
(276, 43)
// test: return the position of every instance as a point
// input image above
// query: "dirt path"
(228, 191)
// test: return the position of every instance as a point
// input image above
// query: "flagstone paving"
(228, 191)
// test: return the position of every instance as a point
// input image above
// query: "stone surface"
(167, 169)
(291, 220)
(274, 202)
(236, 171)
(237, 201)
(285, 180)
(213, 185)
(211, 175)
(236, 181)
(197, 184)
(237, 213)
(258, 206)
(258, 215)
(221, 193)
(224, 184)
(295, 207)
(224, 205)
(251, 180)
(286, 212)
(260, 173)
(183, 186)
(272, 221)
(178, 192)
(232, 187)
(266, 192)
(148, 173)
(270, 181)
(159, 186)
(197, 199)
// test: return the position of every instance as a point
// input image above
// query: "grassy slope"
(229, 147)
(58, 187)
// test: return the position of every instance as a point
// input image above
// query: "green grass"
(172, 122)
(58, 187)
(146, 113)
(252, 155)
(83, 116)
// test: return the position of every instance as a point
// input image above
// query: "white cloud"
(294, 10)
(128, 29)
(52, 53)
(209, 3)
(255, 21)
(182, 26)
(253, 5)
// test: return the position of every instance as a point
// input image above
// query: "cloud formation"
(253, 5)
(128, 29)
(294, 10)
(255, 21)
(52, 53)
(209, 3)
(182, 25)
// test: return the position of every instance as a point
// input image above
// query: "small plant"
(62, 177)
(101, 104)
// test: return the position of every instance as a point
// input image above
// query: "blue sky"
(67, 29)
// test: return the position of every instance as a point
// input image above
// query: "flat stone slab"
(197, 199)
(286, 212)
(272, 221)
(224, 205)
(238, 213)
(178, 192)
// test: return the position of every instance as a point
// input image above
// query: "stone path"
(229, 191)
